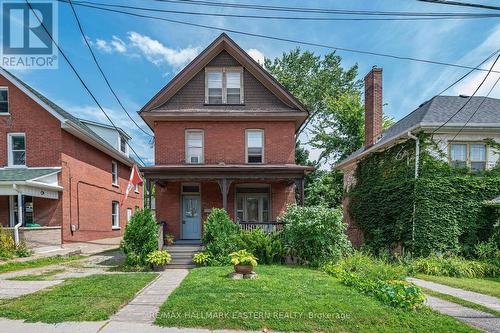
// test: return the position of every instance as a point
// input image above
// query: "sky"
(140, 56)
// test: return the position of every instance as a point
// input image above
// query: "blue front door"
(191, 217)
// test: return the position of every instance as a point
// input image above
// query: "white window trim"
(121, 139)
(8, 101)
(115, 226)
(468, 161)
(263, 144)
(10, 156)
(186, 134)
(114, 166)
(129, 214)
(224, 70)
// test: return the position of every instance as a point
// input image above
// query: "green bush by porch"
(140, 238)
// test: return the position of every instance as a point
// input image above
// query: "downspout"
(417, 162)
(19, 214)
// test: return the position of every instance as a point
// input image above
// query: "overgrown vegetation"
(454, 266)
(140, 238)
(450, 215)
(8, 247)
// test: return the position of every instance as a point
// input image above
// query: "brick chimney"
(373, 106)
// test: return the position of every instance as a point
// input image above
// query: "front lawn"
(91, 298)
(16, 266)
(487, 286)
(289, 299)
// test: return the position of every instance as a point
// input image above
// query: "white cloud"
(256, 55)
(113, 45)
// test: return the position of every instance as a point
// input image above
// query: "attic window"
(224, 85)
(4, 100)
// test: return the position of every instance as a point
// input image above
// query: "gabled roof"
(69, 122)
(434, 113)
(223, 42)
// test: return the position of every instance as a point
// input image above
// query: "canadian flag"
(135, 179)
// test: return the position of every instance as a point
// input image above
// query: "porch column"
(224, 184)
(302, 192)
(148, 189)
(19, 217)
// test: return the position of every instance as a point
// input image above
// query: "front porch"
(253, 195)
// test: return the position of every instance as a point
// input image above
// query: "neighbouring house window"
(194, 146)
(16, 149)
(252, 204)
(123, 144)
(129, 214)
(255, 146)
(224, 85)
(4, 100)
(114, 173)
(472, 155)
(115, 215)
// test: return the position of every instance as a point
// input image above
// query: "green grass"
(16, 266)
(460, 301)
(487, 286)
(37, 277)
(289, 299)
(91, 298)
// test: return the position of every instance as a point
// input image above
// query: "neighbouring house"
(423, 181)
(61, 178)
(224, 137)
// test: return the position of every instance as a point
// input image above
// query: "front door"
(191, 217)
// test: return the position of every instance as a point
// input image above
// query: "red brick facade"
(85, 173)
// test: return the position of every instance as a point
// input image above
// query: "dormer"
(118, 139)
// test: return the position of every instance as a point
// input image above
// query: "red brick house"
(61, 178)
(224, 137)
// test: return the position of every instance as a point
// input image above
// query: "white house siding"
(442, 140)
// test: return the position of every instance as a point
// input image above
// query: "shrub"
(455, 267)
(140, 238)
(487, 250)
(201, 259)
(267, 247)
(221, 237)
(243, 257)
(377, 278)
(159, 258)
(8, 248)
(315, 235)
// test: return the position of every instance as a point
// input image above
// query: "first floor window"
(129, 214)
(194, 146)
(252, 204)
(115, 215)
(472, 155)
(255, 146)
(114, 173)
(16, 149)
(4, 100)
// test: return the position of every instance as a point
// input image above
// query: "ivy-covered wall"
(449, 212)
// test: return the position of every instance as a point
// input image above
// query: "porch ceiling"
(224, 171)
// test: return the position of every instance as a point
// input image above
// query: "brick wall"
(168, 201)
(43, 131)
(4, 211)
(354, 233)
(373, 106)
(224, 141)
(88, 194)
(47, 212)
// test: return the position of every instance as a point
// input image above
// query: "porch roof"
(226, 171)
(36, 182)
(23, 174)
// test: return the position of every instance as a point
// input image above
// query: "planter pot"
(169, 242)
(243, 269)
(159, 268)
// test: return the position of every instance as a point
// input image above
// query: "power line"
(77, 74)
(300, 18)
(297, 9)
(462, 4)
(282, 39)
(470, 97)
(101, 70)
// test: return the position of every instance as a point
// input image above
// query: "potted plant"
(159, 259)
(201, 258)
(169, 239)
(243, 261)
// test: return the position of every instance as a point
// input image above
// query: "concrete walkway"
(478, 319)
(484, 300)
(144, 307)
(13, 289)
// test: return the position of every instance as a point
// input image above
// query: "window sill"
(4, 114)
(115, 228)
(17, 167)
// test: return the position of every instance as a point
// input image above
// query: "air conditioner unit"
(195, 159)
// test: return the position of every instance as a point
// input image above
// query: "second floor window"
(4, 100)
(16, 149)
(194, 146)
(255, 146)
(114, 173)
(224, 85)
(472, 155)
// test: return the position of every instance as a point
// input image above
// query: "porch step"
(184, 249)
(182, 255)
(181, 266)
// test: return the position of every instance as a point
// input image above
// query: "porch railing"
(265, 226)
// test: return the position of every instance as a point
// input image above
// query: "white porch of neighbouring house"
(22, 187)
